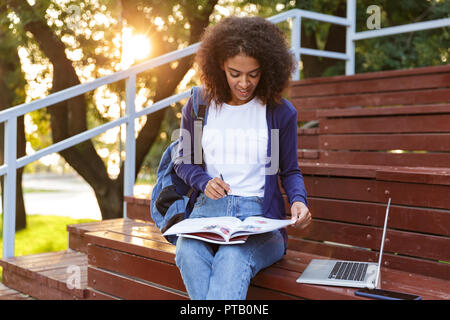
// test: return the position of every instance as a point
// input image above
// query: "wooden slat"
(372, 99)
(415, 175)
(380, 75)
(306, 115)
(100, 225)
(418, 245)
(135, 245)
(341, 188)
(358, 86)
(153, 270)
(357, 112)
(439, 142)
(418, 195)
(131, 289)
(93, 294)
(34, 288)
(424, 220)
(415, 194)
(324, 250)
(308, 141)
(408, 159)
(345, 233)
(425, 175)
(77, 240)
(343, 170)
(400, 124)
(308, 154)
(11, 294)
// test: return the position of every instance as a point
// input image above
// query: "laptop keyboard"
(348, 271)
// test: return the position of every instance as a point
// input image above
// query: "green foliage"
(409, 50)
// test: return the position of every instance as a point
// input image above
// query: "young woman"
(250, 140)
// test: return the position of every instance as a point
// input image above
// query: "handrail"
(9, 116)
(418, 26)
(80, 89)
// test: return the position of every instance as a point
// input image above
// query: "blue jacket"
(283, 117)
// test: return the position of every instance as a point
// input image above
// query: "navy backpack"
(172, 199)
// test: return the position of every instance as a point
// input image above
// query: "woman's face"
(243, 75)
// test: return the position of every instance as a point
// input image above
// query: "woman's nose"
(244, 81)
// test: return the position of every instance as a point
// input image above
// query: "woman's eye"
(236, 75)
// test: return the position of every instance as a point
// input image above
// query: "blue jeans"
(218, 272)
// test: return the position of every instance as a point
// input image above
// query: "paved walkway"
(68, 195)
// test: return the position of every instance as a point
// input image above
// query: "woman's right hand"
(217, 188)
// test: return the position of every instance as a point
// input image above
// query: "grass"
(42, 234)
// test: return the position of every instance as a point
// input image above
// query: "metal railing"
(9, 116)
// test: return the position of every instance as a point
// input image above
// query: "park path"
(63, 195)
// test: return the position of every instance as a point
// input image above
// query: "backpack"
(172, 199)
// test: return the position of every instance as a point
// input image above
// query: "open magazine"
(225, 230)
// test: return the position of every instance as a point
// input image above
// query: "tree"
(401, 51)
(12, 85)
(70, 117)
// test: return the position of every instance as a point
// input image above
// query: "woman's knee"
(191, 251)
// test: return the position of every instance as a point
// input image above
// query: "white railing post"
(296, 42)
(9, 192)
(130, 141)
(349, 38)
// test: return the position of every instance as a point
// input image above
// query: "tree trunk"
(8, 66)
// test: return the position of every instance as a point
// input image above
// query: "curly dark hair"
(255, 37)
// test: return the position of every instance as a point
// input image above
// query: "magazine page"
(258, 224)
(227, 227)
(222, 226)
(214, 238)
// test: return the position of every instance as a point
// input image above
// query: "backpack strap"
(199, 110)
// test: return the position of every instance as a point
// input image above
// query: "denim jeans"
(218, 272)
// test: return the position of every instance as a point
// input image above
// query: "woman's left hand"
(300, 214)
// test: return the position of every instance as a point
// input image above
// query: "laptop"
(343, 273)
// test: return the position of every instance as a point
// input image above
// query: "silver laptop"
(346, 273)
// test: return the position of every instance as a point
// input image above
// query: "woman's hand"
(300, 214)
(217, 188)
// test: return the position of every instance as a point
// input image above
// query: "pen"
(221, 177)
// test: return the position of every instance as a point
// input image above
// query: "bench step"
(138, 257)
(51, 275)
(131, 260)
(11, 294)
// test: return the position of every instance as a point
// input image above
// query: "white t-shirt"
(234, 142)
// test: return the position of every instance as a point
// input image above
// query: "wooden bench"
(374, 136)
